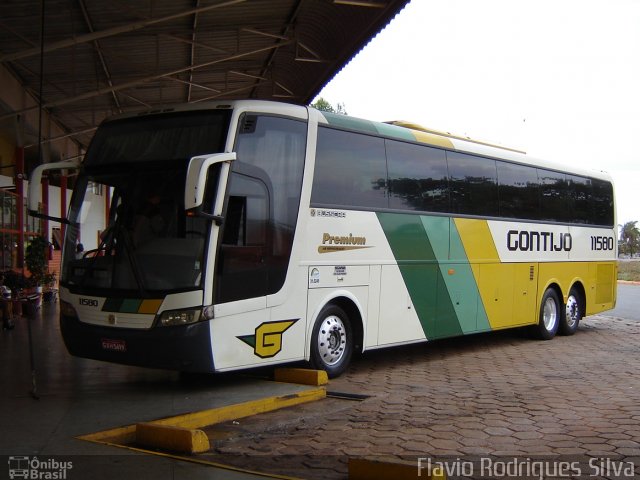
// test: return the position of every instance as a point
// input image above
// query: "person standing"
(5, 305)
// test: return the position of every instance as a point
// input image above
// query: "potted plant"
(36, 260)
(49, 282)
(16, 282)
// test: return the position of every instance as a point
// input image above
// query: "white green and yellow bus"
(253, 233)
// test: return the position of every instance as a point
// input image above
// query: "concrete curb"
(180, 433)
(301, 375)
(174, 439)
(366, 469)
(212, 416)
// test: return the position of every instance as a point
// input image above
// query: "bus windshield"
(149, 245)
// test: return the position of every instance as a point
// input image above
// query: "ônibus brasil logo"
(36, 469)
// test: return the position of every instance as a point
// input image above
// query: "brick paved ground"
(499, 394)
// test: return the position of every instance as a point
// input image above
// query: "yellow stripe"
(501, 285)
(150, 306)
(432, 139)
(477, 240)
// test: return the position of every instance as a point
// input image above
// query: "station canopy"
(107, 57)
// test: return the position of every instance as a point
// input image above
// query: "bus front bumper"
(184, 348)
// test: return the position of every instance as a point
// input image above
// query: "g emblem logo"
(267, 340)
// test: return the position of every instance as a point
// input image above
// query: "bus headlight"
(180, 317)
(67, 309)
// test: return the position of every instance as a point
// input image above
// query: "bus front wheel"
(573, 313)
(331, 341)
(550, 313)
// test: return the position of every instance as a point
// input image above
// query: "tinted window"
(241, 270)
(580, 199)
(174, 136)
(554, 196)
(350, 170)
(519, 191)
(473, 185)
(602, 202)
(417, 177)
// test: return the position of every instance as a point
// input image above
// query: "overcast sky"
(559, 79)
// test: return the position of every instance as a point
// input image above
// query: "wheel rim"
(572, 311)
(332, 340)
(550, 314)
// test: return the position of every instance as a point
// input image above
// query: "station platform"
(76, 397)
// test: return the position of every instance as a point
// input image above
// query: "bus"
(251, 233)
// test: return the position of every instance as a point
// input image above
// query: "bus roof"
(403, 130)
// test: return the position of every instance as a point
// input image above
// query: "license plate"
(114, 345)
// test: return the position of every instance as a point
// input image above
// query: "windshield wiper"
(109, 243)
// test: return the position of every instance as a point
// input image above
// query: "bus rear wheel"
(332, 341)
(573, 313)
(550, 313)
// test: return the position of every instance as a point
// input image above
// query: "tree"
(324, 106)
(630, 238)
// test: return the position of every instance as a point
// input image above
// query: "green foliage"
(629, 270)
(324, 106)
(36, 259)
(630, 239)
(15, 281)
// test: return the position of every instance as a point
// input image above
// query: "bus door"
(255, 243)
(246, 243)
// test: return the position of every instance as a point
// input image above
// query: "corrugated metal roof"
(103, 58)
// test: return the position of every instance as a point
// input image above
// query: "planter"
(31, 304)
(49, 296)
(17, 307)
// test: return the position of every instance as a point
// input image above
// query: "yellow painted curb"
(365, 469)
(194, 420)
(114, 436)
(304, 376)
(241, 410)
(174, 439)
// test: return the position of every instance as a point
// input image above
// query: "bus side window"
(473, 183)
(235, 221)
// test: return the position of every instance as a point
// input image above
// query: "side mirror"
(33, 194)
(196, 183)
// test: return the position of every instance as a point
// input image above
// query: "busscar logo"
(267, 340)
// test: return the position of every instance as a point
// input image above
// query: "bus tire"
(573, 313)
(332, 341)
(550, 314)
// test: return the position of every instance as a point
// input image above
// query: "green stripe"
(130, 306)
(350, 123)
(121, 305)
(470, 310)
(420, 268)
(394, 131)
(112, 305)
(437, 273)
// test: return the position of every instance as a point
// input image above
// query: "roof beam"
(140, 81)
(101, 59)
(192, 55)
(110, 32)
(284, 33)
